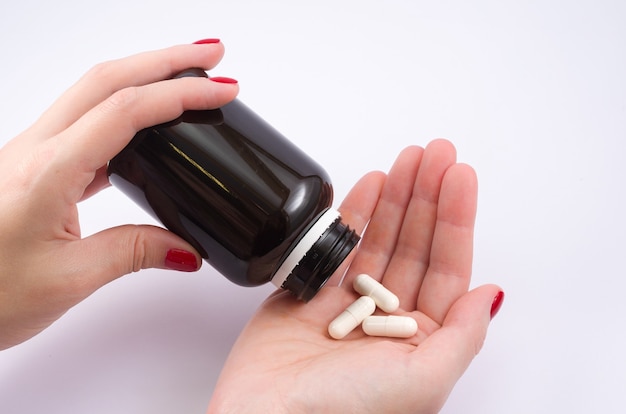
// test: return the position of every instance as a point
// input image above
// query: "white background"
(533, 94)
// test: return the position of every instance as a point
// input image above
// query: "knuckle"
(101, 72)
(122, 100)
(137, 250)
(478, 345)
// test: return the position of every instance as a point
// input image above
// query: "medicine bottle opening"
(317, 255)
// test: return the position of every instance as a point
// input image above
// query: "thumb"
(451, 349)
(117, 251)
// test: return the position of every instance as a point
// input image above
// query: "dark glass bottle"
(254, 205)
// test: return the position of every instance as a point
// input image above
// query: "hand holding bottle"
(45, 265)
(418, 242)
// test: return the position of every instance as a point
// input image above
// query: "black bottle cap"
(321, 260)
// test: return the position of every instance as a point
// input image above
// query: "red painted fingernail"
(206, 41)
(497, 303)
(178, 259)
(222, 79)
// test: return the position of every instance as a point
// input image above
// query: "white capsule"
(392, 325)
(384, 298)
(350, 318)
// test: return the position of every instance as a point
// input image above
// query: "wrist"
(244, 402)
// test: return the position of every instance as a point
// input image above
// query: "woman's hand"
(45, 265)
(418, 242)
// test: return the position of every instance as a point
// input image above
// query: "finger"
(450, 263)
(104, 131)
(99, 182)
(356, 211)
(451, 349)
(107, 255)
(379, 240)
(411, 254)
(106, 78)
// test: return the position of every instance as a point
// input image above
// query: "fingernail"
(497, 303)
(178, 259)
(206, 41)
(222, 79)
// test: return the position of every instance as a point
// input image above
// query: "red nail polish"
(497, 303)
(222, 79)
(206, 41)
(178, 259)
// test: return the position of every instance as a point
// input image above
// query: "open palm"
(418, 243)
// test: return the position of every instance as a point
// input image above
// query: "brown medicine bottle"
(254, 205)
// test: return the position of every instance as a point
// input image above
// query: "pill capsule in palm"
(384, 298)
(392, 325)
(350, 318)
